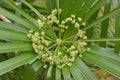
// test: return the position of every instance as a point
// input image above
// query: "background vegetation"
(103, 31)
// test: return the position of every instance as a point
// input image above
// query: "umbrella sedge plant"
(57, 46)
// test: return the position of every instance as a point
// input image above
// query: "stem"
(99, 40)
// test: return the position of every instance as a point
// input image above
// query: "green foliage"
(15, 39)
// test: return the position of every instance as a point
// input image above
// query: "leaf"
(37, 65)
(15, 62)
(75, 72)
(50, 4)
(13, 47)
(13, 35)
(117, 27)
(103, 63)
(86, 72)
(105, 53)
(58, 74)
(77, 7)
(85, 8)
(49, 73)
(94, 8)
(99, 40)
(32, 8)
(105, 23)
(93, 18)
(29, 73)
(66, 74)
(102, 18)
(17, 19)
(14, 27)
(23, 13)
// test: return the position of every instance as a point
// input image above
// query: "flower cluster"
(51, 45)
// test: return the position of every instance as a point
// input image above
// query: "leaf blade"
(15, 62)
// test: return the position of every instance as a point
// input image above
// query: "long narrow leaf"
(86, 72)
(29, 73)
(10, 26)
(58, 74)
(23, 13)
(102, 18)
(74, 70)
(66, 74)
(105, 52)
(93, 9)
(105, 23)
(17, 19)
(103, 63)
(15, 62)
(13, 47)
(33, 9)
(117, 26)
(13, 35)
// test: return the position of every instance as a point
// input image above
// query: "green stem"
(99, 40)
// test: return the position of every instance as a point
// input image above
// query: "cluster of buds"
(58, 51)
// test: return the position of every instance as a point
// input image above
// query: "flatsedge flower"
(59, 42)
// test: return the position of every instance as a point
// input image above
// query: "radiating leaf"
(93, 9)
(17, 19)
(49, 73)
(32, 8)
(74, 70)
(85, 8)
(37, 65)
(50, 4)
(13, 47)
(10, 26)
(105, 52)
(105, 23)
(13, 35)
(117, 26)
(102, 18)
(15, 62)
(86, 72)
(66, 74)
(58, 74)
(29, 73)
(23, 13)
(103, 63)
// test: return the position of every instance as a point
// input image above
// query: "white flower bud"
(77, 25)
(79, 19)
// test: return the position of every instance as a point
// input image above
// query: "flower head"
(54, 44)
